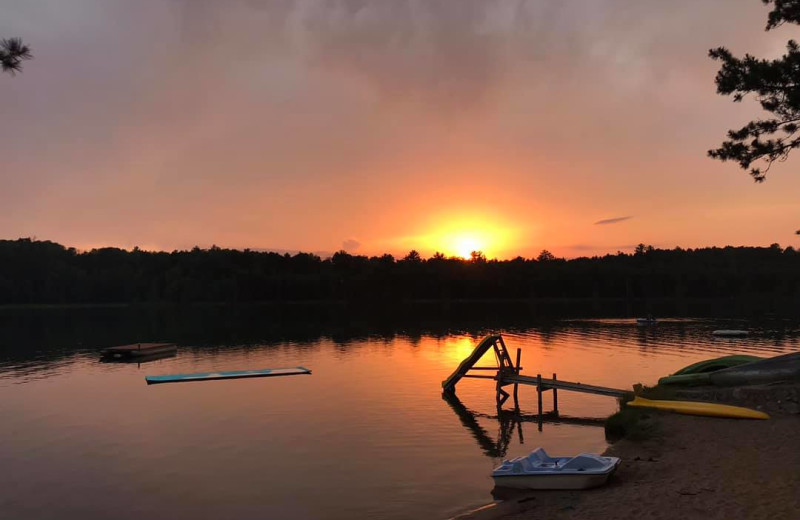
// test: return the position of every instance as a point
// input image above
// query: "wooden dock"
(554, 384)
(139, 350)
(507, 372)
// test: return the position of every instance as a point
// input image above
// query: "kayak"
(770, 370)
(712, 365)
(703, 367)
(699, 408)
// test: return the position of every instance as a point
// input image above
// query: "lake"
(367, 435)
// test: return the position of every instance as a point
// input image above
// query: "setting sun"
(460, 236)
(464, 244)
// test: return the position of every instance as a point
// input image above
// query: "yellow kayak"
(696, 408)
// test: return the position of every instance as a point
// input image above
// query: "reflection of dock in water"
(495, 449)
(508, 421)
(553, 418)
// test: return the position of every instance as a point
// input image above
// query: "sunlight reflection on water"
(368, 434)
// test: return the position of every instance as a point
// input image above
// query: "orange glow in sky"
(480, 132)
(459, 236)
(466, 243)
(463, 243)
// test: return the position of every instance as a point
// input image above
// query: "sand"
(694, 468)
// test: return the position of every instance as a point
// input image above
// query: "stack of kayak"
(737, 370)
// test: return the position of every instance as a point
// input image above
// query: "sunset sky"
(510, 126)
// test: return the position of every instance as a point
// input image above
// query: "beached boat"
(720, 363)
(646, 321)
(540, 471)
(704, 367)
(730, 333)
(779, 368)
(699, 408)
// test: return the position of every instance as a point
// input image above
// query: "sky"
(381, 126)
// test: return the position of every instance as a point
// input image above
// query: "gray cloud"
(454, 54)
(612, 220)
(351, 244)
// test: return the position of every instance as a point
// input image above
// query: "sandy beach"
(694, 467)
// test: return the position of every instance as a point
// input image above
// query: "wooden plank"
(539, 394)
(565, 385)
(516, 371)
(235, 374)
(555, 396)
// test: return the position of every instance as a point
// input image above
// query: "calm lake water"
(368, 435)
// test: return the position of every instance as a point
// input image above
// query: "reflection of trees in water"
(675, 334)
(42, 336)
(46, 335)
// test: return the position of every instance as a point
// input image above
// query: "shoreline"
(693, 467)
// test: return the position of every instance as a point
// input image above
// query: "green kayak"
(710, 365)
(697, 373)
(785, 367)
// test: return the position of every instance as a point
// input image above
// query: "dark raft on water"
(138, 350)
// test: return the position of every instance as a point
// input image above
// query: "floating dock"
(235, 374)
(139, 350)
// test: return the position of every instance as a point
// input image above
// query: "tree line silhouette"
(44, 272)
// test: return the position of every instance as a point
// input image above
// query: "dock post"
(516, 371)
(539, 394)
(555, 396)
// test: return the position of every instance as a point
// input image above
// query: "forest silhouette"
(44, 272)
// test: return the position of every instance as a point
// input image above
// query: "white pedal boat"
(540, 471)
